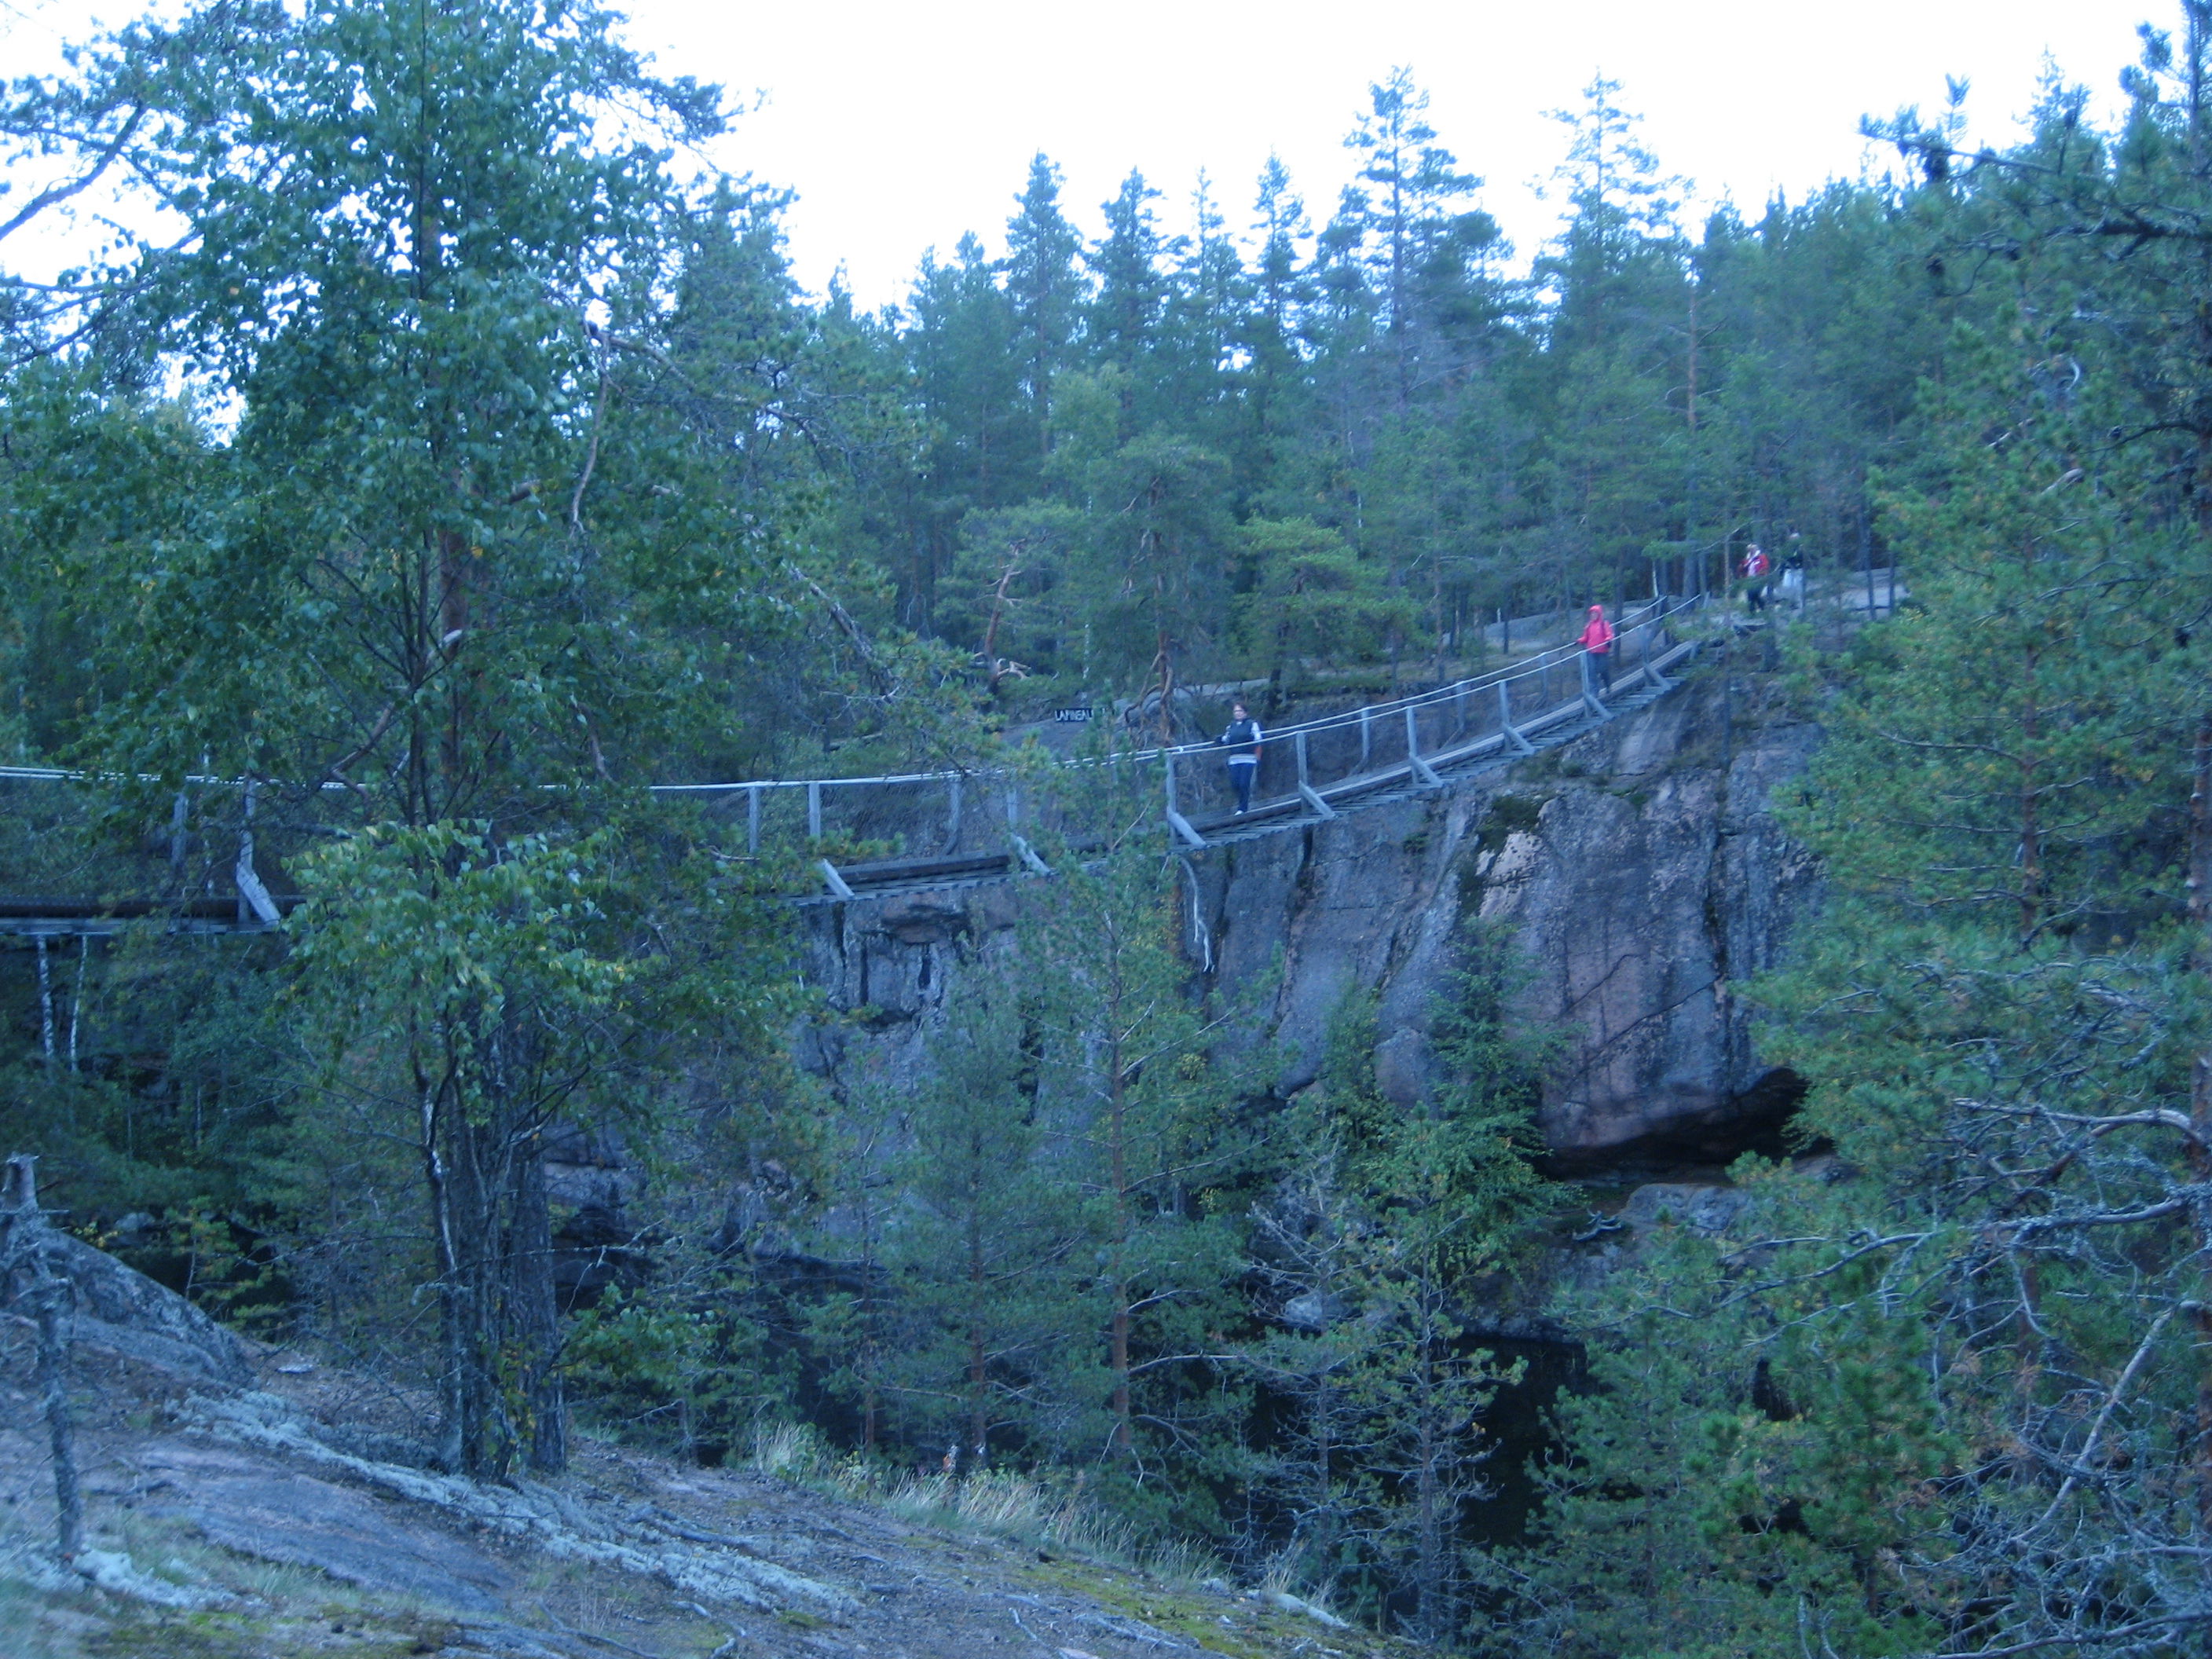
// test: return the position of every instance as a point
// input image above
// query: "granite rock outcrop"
(1638, 875)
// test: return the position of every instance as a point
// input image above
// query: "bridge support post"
(1652, 676)
(1177, 822)
(45, 1001)
(1307, 793)
(1521, 744)
(835, 882)
(1422, 769)
(254, 903)
(179, 817)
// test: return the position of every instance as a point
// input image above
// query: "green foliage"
(695, 1380)
(987, 1259)
(440, 937)
(1996, 746)
(1386, 1226)
(1694, 1503)
(1931, 1397)
(1312, 598)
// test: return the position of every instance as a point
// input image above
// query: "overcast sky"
(902, 126)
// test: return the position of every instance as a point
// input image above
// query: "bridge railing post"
(752, 819)
(952, 815)
(1307, 793)
(1178, 825)
(1519, 743)
(1421, 769)
(813, 811)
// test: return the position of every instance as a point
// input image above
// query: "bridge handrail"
(1651, 615)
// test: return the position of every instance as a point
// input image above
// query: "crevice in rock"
(1753, 1120)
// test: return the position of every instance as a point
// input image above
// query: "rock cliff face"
(1637, 873)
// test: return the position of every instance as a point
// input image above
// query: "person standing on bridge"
(1597, 648)
(1242, 740)
(1756, 564)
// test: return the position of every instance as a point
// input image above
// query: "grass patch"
(1042, 1512)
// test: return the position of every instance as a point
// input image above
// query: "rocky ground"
(271, 1520)
(248, 1503)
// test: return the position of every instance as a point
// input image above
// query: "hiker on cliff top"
(1242, 740)
(1597, 648)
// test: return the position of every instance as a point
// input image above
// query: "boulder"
(121, 1307)
(1703, 1209)
(112, 1304)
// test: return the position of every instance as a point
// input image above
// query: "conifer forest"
(443, 460)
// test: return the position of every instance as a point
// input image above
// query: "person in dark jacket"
(1242, 740)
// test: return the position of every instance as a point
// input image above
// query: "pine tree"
(1129, 292)
(1411, 182)
(1127, 1070)
(1046, 290)
(989, 1261)
(1280, 293)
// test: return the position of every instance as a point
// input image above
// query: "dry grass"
(1042, 1512)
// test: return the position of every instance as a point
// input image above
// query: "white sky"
(902, 126)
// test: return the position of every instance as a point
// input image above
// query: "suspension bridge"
(954, 828)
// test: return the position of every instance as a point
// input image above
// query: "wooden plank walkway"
(1386, 786)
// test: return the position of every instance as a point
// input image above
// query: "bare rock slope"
(235, 1523)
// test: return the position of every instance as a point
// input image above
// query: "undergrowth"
(1043, 1513)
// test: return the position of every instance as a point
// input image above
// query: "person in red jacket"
(1597, 646)
(1756, 564)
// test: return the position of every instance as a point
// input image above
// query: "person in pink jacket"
(1597, 645)
(1756, 565)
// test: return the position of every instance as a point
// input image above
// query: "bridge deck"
(1386, 786)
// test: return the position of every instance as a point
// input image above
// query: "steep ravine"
(1637, 873)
